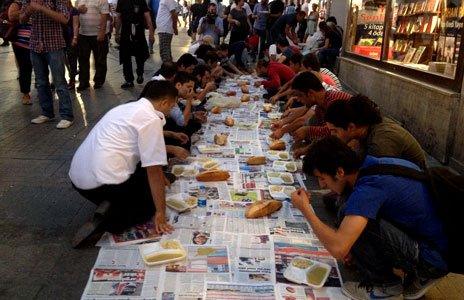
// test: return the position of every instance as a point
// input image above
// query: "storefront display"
(423, 35)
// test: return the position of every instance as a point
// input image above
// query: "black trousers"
(87, 45)
(382, 247)
(127, 67)
(72, 53)
(131, 201)
(23, 57)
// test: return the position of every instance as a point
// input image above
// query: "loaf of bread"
(242, 82)
(277, 145)
(256, 160)
(216, 110)
(245, 89)
(220, 139)
(229, 121)
(213, 175)
(262, 208)
(245, 98)
(231, 93)
(267, 107)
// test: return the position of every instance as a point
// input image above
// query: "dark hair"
(167, 69)
(183, 77)
(236, 2)
(332, 19)
(306, 81)
(156, 89)
(358, 110)
(262, 63)
(211, 56)
(223, 47)
(200, 70)
(283, 42)
(211, 4)
(296, 58)
(202, 50)
(323, 25)
(186, 60)
(310, 60)
(328, 154)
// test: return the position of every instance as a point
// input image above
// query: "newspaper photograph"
(296, 292)
(227, 209)
(226, 290)
(189, 236)
(245, 195)
(136, 235)
(250, 181)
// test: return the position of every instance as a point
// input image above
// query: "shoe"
(353, 291)
(41, 119)
(140, 79)
(418, 288)
(26, 100)
(127, 85)
(82, 87)
(97, 86)
(63, 124)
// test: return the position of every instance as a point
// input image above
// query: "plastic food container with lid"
(306, 271)
(162, 252)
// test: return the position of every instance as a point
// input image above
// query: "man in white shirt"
(93, 17)
(166, 24)
(121, 160)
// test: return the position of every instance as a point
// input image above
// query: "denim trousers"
(55, 60)
(383, 247)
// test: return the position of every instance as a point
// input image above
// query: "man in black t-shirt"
(285, 27)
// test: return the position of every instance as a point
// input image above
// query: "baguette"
(245, 98)
(229, 121)
(214, 175)
(220, 139)
(262, 208)
(245, 89)
(256, 160)
(277, 145)
(216, 110)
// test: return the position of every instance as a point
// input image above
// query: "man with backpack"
(388, 225)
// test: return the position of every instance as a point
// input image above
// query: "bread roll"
(262, 208)
(277, 145)
(216, 110)
(242, 82)
(245, 89)
(214, 175)
(245, 98)
(220, 139)
(231, 93)
(256, 160)
(229, 121)
(267, 108)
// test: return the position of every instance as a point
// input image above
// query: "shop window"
(426, 35)
(366, 28)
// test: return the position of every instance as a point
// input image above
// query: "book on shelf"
(409, 55)
(433, 5)
(418, 55)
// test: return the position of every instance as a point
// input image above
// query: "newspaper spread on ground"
(228, 256)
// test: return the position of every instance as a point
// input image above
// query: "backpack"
(8, 29)
(447, 190)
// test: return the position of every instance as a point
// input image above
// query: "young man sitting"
(226, 63)
(120, 162)
(387, 224)
(287, 51)
(277, 74)
(359, 120)
(204, 82)
(186, 63)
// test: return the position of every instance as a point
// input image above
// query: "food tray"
(281, 192)
(162, 252)
(286, 166)
(209, 164)
(277, 155)
(280, 177)
(184, 170)
(181, 202)
(307, 271)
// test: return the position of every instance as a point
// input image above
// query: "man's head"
(239, 2)
(212, 9)
(282, 44)
(186, 63)
(162, 94)
(315, 7)
(300, 16)
(168, 70)
(332, 19)
(295, 62)
(202, 74)
(223, 50)
(184, 84)
(264, 2)
(261, 67)
(311, 62)
(350, 119)
(308, 88)
(211, 59)
(202, 50)
(333, 163)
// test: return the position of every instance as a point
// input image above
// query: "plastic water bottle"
(201, 196)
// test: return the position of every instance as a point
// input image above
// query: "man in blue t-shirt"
(387, 223)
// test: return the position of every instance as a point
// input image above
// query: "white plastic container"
(280, 177)
(286, 166)
(181, 202)
(281, 192)
(277, 155)
(184, 170)
(162, 252)
(306, 271)
(208, 149)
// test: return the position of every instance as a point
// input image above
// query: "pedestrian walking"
(166, 23)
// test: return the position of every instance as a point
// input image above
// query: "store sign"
(370, 23)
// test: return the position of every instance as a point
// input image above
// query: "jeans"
(56, 61)
(165, 40)
(127, 67)
(131, 201)
(88, 44)
(23, 57)
(382, 247)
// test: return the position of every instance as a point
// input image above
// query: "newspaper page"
(227, 290)
(136, 235)
(298, 292)
(185, 279)
(119, 273)
(227, 209)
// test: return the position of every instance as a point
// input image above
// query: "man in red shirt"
(277, 74)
